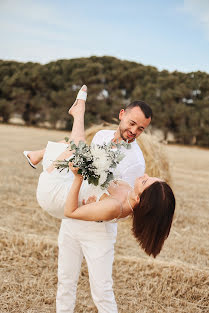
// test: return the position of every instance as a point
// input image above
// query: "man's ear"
(121, 114)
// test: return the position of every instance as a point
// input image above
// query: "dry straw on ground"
(176, 281)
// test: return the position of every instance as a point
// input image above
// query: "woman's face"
(141, 183)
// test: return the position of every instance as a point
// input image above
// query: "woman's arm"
(72, 198)
(106, 209)
(103, 210)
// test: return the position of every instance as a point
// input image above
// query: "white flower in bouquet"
(102, 162)
(95, 161)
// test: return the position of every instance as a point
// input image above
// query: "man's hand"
(90, 200)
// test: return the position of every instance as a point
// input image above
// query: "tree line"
(40, 93)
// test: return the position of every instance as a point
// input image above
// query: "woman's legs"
(36, 156)
(77, 111)
(78, 134)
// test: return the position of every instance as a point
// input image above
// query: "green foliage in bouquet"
(95, 161)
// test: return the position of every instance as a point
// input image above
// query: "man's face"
(132, 123)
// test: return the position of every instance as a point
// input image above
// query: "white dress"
(53, 188)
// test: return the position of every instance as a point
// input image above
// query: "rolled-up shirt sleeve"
(132, 172)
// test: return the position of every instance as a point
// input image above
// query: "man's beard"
(121, 134)
(125, 139)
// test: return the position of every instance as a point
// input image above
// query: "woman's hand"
(74, 170)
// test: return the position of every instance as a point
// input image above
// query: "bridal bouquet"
(95, 162)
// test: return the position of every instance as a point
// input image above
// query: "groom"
(95, 241)
(92, 240)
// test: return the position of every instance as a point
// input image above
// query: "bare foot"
(35, 156)
(78, 106)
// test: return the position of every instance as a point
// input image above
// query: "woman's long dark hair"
(152, 217)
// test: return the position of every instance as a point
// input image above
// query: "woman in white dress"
(151, 202)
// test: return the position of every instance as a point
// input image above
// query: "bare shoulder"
(111, 206)
(115, 207)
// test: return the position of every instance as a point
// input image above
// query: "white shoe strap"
(82, 95)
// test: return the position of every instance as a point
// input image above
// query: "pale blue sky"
(172, 35)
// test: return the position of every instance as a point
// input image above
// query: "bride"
(151, 202)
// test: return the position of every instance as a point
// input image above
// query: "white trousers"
(95, 241)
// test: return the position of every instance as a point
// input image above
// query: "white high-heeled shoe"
(28, 159)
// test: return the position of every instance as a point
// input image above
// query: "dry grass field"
(176, 281)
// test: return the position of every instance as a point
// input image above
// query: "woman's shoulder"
(119, 188)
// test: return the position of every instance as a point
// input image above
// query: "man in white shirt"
(95, 241)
